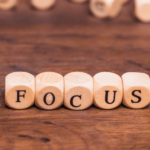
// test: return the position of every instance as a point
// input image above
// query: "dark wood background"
(64, 39)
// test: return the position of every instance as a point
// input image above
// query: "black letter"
(18, 95)
(139, 98)
(106, 97)
(71, 101)
(52, 100)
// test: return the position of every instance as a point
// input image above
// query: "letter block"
(49, 90)
(107, 90)
(19, 90)
(105, 8)
(136, 90)
(78, 91)
(7, 4)
(142, 10)
(42, 4)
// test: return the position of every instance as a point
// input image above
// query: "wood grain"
(64, 39)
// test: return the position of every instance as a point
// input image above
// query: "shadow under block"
(19, 90)
(42, 4)
(136, 90)
(79, 1)
(142, 10)
(107, 90)
(105, 8)
(7, 4)
(49, 90)
(78, 91)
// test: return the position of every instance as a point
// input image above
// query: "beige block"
(107, 90)
(78, 91)
(142, 10)
(79, 1)
(19, 90)
(7, 4)
(42, 4)
(105, 8)
(49, 90)
(136, 90)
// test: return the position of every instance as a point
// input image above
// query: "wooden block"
(49, 90)
(79, 1)
(7, 4)
(42, 4)
(136, 90)
(142, 10)
(19, 90)
(107, 90)
(78, 91)
(105, 8)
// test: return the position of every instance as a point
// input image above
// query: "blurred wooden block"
(105, 8)
(107, 90)
(136, 90)
(7, 4)
(49, 90)
(142, 10)
(42, 4)
(78, 91)
(19, 90)
(79, 1)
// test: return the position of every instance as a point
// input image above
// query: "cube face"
(78, 98)
(105, 8)
(42, 4)
(78, 91)
(107, 90)
(7, 4)
(142, 10)
(136, 90)
(99, 8)
(49, 90)
(19, 90)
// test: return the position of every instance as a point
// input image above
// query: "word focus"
(77, 90)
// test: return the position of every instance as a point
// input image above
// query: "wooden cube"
(7, 4)
(79, 1)
(42, 4)
(105, 8)
(142, 10)
(136, 90)
(107, 90)
(19, 90)
(49, 90)
(78, 91)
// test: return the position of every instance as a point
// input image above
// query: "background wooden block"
(42, 4)
(19, 90)
(79, 1)
(7, 4)
(78, 91)
(49, 90)
(105, 8)
(107, 90)
(136, 90)
(142, 10)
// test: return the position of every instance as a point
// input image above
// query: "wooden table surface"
(64, 39)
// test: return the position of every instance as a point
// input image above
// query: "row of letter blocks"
(77, 90)
(99, 8)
